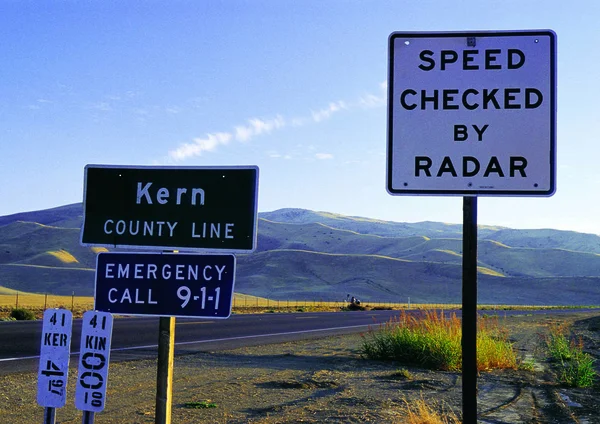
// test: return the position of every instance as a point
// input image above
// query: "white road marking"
(256, 336)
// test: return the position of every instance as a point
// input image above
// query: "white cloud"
(256, 126)
(326, 113)
(370, 100)
(102, 106)
(200, 145)
(324, 156)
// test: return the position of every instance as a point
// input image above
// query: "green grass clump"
(576, 366)
(22, 314)
(432, 340)
(403, 374)
(200, 405)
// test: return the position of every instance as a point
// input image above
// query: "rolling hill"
(304, 254)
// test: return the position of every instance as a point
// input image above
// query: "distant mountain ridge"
(303, 254)
(534, 238)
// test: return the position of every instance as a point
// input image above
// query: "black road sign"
(193, 208)
(183, 285)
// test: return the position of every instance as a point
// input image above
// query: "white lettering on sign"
(151, 271)
(96, 333)
(54, 358)
(144, 228)
(142, 297)
(162, 195)
(472, 113)
(212, 230)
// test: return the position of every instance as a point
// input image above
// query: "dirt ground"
(326, 381)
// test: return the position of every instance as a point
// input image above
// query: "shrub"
(579, 371)
(22, 314)
(433, 341)
(558, 344)
(577, 367)
(353, 307)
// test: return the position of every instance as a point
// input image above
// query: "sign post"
(169, 208)
(54, 361)
(469, 310)
(471, 114)
(164, 370)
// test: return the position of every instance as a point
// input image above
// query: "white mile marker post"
(54, 361)
(90, 393)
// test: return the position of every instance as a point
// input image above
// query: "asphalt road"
(137, 337)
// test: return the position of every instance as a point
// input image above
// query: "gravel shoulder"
(326, 380)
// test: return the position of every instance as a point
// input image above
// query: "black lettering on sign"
(472, 59)
(422, 163)
(95, 342)
(471, 167)
(55, 339)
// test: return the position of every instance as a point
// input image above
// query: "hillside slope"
(303, 254)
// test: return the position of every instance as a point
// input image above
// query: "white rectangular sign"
(54, 358)
(96, 333)
(472, 113)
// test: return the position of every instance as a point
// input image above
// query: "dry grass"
(63, 256)
(433, 340)
(420, 412)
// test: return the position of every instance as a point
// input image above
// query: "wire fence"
(243, 303)
(45, 301)
(240, 302)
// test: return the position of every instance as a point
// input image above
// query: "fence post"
(72, 301)
(17, 305)
(45, 301)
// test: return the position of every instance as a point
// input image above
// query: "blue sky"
(295, 87)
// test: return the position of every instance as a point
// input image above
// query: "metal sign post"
(49, 415)
(471, 114)
(164, 374)
(469, 311)
(88, 417)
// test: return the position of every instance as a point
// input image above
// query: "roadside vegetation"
(433, 340)
(242, 304)
(421, 412)
(576, 368)
(22, 314)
